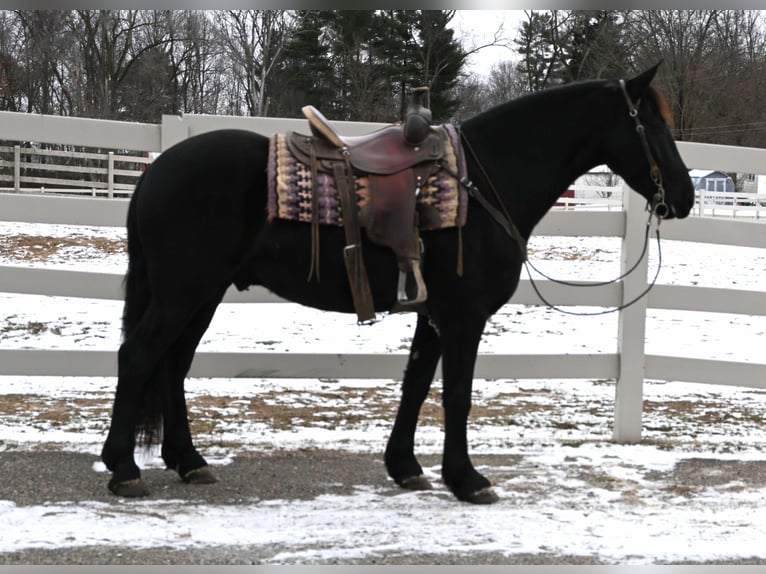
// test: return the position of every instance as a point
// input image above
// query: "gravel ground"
(45, 476)
(288, 476)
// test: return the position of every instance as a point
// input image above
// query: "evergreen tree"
(362, 65)
(540, 49)
(442, 60)
(559, 46)
(365, 91)
(397, 50)
(596, 47)
(305, 75)
(329, 63)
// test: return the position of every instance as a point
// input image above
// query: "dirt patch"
(567, 254)
(703, 412)
(40, 248)
(692, 475)
(29, 328)
(41, 412)
(216, 419)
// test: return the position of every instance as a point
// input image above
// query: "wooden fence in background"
(630, 366)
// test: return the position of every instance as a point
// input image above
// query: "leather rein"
(656, 208)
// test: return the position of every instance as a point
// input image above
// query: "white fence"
(90, 173)
(629, 366)
(97, 173)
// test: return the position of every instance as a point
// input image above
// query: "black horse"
(197, 224)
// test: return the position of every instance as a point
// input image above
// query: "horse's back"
(221, 171)
(210, 160)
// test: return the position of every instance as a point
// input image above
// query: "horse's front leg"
(400, 459)
(460, 344)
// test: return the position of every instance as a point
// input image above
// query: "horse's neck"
(533, 150)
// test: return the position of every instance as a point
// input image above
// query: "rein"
(502, 218)
(656, 208)
(638, 297)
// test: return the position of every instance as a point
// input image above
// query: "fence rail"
(70, 172)
(629, 366)
(149, 139)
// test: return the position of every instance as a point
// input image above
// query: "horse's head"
(641, 148)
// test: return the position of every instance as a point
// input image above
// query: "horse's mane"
(545, 99)
(565, 92)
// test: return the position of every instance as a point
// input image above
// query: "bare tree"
(100, 66)
(505, 82)
(253, 41)
(202, 69)
(10, 70)
(713, 71)
(542, 43)
(472, 93)
(738, 114)
(476, 94)
(44, 37)
(681, 40)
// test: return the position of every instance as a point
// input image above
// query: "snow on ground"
(567, 488)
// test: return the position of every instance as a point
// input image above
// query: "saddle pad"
(441, 203)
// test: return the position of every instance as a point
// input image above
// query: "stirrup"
(421, 293)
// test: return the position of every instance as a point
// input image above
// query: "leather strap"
(501, 218)
(355, 268)
(314, 219)
(343, 180)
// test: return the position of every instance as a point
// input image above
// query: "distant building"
(752, 183)
(707, 180)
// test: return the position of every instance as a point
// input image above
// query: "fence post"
(110, 175)
(17, 168)
(174, 129)
(631, 324)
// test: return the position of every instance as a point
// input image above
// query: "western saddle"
(397, 161)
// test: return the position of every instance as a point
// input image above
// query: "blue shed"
(707, 180)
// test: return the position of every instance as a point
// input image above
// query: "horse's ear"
(638, 85)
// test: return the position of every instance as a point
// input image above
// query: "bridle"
(658, 205)
(656, 208)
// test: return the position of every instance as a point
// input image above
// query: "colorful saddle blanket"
(442, 201)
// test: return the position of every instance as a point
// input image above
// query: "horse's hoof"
(202, 475)
(483, 496)
(135, 488)
(418, 482)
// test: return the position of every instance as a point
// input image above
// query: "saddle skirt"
(441, 202)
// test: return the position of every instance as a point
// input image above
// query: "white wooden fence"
(96, 173)
(91, 173)
(630, 366)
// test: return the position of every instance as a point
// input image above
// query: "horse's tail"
(137, 298)
(136, 282)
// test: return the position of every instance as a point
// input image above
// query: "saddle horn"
(417, 121)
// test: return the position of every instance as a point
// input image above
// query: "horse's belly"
(283, 263)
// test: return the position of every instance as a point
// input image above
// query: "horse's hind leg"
(137, 358)
(138, 400)
(178, 450)
(400, 459)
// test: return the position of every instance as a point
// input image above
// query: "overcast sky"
(479, 26)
